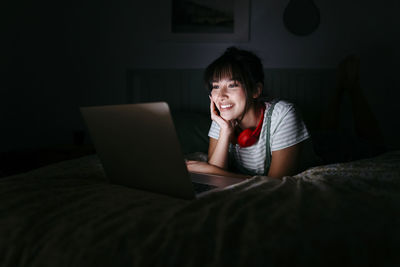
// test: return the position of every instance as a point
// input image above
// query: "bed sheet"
(67, 214)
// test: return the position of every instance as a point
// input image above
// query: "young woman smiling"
(248, 135)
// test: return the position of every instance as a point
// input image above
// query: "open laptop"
(138, 147)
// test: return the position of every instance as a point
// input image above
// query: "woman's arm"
(284, 162)
(218, 152)
(218, 148)
(204, 167)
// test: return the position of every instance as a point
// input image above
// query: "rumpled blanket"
(67, 214)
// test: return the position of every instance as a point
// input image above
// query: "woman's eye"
(233, 85)
(215, 87)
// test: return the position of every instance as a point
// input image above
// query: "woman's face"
(230, 98)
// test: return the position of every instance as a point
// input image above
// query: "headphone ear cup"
(246, 138)
(249, 137)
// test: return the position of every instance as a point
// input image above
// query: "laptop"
(139, 148)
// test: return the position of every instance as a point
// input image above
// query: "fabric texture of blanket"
(67, 214)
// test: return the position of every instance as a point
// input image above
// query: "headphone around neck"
(249, 137)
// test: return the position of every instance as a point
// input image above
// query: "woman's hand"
(199, 166)
(226, 127)
(204, 167)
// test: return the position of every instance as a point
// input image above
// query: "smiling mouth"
(225, 107)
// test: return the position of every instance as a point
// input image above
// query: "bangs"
(222, 71)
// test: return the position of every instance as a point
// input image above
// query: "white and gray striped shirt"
(287, 129)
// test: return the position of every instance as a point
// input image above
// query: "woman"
(248, 136)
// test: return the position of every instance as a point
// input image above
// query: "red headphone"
(248, 137)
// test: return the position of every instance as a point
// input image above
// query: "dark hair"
(239, 65)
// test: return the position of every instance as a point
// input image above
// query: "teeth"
(226, 106)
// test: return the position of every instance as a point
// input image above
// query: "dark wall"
(59, 55)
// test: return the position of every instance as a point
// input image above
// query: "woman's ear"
(259, 88)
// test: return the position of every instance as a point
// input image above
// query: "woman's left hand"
(205, 167)
(198, 166)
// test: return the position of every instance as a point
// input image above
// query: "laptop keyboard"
(200, 188)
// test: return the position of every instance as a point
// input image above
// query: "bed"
(68, 214)
(338, 214)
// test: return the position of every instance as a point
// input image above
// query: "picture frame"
(204, 21)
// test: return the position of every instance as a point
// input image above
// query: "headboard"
(183, 89)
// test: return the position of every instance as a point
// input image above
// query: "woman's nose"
(222, 92)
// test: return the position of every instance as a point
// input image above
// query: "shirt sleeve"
(287, 127)
(214, 130)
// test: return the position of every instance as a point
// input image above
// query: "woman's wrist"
(226, 133)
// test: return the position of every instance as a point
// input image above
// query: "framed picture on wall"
(205, 20)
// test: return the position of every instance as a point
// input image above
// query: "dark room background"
(59, 55)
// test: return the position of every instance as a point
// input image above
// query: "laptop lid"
(138, 147)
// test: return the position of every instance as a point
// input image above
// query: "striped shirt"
(287, 129)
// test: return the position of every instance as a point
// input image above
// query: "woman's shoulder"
(281, 107)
